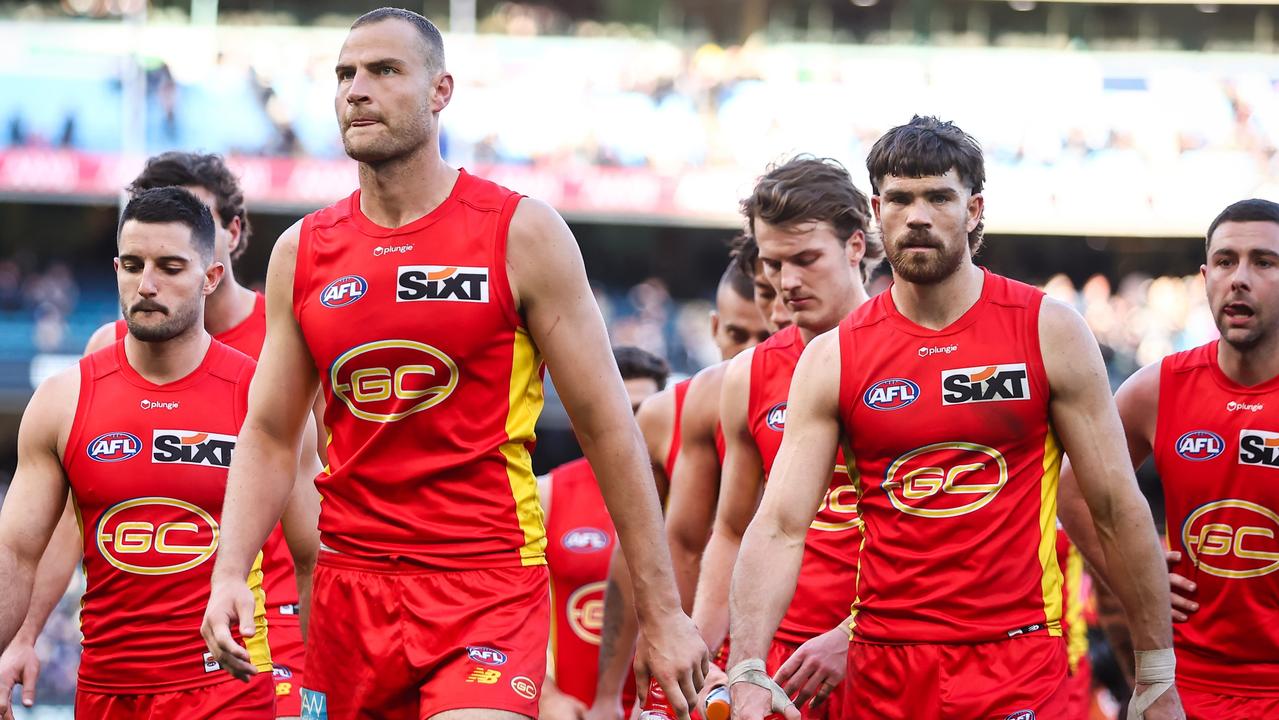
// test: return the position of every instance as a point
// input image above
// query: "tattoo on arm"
(612, 622)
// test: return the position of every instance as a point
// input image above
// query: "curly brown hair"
(208, 171)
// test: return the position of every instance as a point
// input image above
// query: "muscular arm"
(740, 489)
(690, 509)
(550, 287)
(52, 576)
(264, 466)
(773, 548)
(1086, 421)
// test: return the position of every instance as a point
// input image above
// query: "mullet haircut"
(927, 147)
(1251, 210)
(173, 205)
(425, 28)
(740, 283)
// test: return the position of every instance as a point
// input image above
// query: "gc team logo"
(891, 394)
(524, 687)
(113, 447)
(343, 291)
(1200, 445)
(585, 540)
(775, 418)
(1232, 539)
(156, 536)
(486, 655)
(585, 612)
(946, 479)
(388, 380)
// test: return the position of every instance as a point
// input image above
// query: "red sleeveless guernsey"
(1217, 452)
(681, 392)
(431, 380)
(824, 591)
(957, 468)
(148, 465)
(581, 541)
(278, 579)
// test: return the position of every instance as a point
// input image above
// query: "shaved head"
(432, 41)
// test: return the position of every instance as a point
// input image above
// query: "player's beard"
(395, 141)
(923, 269)
(175, 322)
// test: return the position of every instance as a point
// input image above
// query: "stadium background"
(1113, 133)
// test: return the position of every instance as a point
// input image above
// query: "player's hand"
(816, 668)
(1180, 590)
(556, 704)
(605, 709)
(671, 651)
(1166, 707)
(715, 678)
(18, 666)
(752, 702)
(230, 605)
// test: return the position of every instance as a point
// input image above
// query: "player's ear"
(976, 207)
(213, 277)
(714, 323)
(855, 248)
(442, 92)
(236, 231)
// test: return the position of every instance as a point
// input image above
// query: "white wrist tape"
(753, 671)
(1158, 669)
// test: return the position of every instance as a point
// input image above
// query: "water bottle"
(718, 704)
(655, 705)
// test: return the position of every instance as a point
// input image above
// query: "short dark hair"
(635, 363)
(734, 278)
(811, 189)
(1251, 210)
(430, 34)
(924, 147)
(207, 171)
(744, 253)
(173, 205)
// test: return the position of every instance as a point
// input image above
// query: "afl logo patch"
(891, 394)
(343, 291)
(776, 417)
(1021, 715)
(114, 447)
(486, 656)
(585, 540)
(1200, 445)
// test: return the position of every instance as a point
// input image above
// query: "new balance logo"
(985, 384)
(440, 282)
(484, 676)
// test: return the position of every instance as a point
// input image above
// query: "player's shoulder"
(229, 364)
(105, 336)
(1008, 292)
(1196, 359)
(326, 217)
(709, 379)
(52, 407)
(658, 406)
(483, 194)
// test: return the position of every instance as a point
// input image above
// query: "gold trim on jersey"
(258, 647)
(1050, 577)
(1077, 629)
(525, 405)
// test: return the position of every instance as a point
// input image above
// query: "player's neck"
(168, 361)
(856, 296)
(938, 305)
(1251, 367)
(395, 193)
(228, 306)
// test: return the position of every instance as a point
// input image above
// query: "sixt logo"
(585, 540)
(891, 394)
(114, 447)
(191, 447)
(343, 291)
(486, 655)
(775, 418)
(1258, 447)
(440, 282)
(943, 350)
(993, 383)
(1233, 406)
(1200, 445)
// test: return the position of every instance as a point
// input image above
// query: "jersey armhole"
(243, 381)
(1034, 349)
(501, 284)
(847, 393)
(83, 400)
(302, 267)
(1156, 440)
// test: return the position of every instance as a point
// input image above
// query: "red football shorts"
(288, 654)
(227, 700)
(1079, 692)
(1211, 706)
(398, 642)
(778, 653)
(1022, 678)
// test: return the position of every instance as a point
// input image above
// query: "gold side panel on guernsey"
(524, 407)
(1050, 573)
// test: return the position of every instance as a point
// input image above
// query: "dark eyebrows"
(378, 64)
(163, 259)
